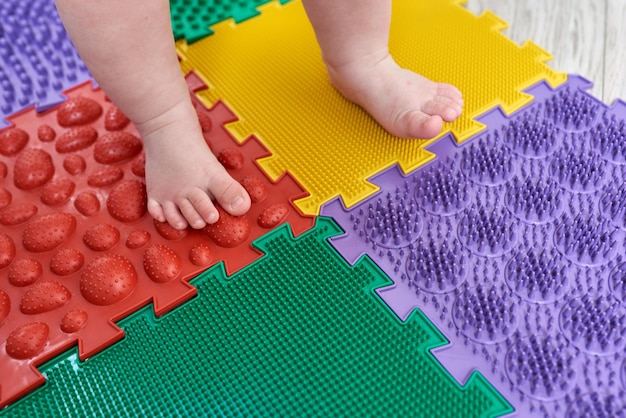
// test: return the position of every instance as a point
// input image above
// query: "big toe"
(417, 124)
(230, 194)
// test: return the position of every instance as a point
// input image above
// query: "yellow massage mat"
(269, 71)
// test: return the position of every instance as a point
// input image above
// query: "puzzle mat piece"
(513, 245)
(65, 242)
(191, 19)
(271, 74)
(271, 340)
(37, 59)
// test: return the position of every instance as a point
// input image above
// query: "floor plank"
(583, 36)
(615, 55)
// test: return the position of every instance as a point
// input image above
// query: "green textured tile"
(191, 18)
(297, 333)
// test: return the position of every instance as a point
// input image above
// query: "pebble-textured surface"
(77, 247)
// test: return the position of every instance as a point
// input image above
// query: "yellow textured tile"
(268, 70)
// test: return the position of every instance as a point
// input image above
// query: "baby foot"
(403, 102)
(183, 176)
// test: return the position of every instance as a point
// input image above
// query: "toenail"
(212, 218)
(237, 202)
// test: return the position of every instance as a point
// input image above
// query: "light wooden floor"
(585, 37)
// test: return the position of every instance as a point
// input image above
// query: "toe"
(173, 216)
(191, 215)
(451, 92)
(420, 125)
(448, 109)
(155, 210)
(203, 206)
(451, 96)
(230, 194)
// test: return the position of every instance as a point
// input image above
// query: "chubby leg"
(129, 48)
(353, 36)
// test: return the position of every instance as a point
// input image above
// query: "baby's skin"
(129, 49)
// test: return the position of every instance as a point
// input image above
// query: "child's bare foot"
(403, 102)
(183, 175)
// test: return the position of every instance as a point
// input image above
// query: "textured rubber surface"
(191, 19)
(77, 247)
(37, 59)
(269, 71)
(513, 244)
(297, 333)
(514, 249)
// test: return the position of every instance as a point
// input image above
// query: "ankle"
(178, 116)
(345, 66)
(351, 78)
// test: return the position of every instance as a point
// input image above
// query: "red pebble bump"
(44, 297)
(27, 341)
(48, 231)
(229, 231)
(255, 188)
(74, 321)
(57, 191)
(137, 239)
(5, 198)
(12, 141)
(105, 177)
(273, 215)
(231, 158)
(87, 203)
(17, 214)
(5, 306)
(166, 231)
(138, 166)
(78, 111)
(161, 263)
(101, 237)
(116, 147)
(127, 202)
(114, 119)
(7, 250)
(33, 168)
(108, 279)
(66, 261)
(45, 133)
(76, 139)
(74, 164)
(200, 255)
(24, 272)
